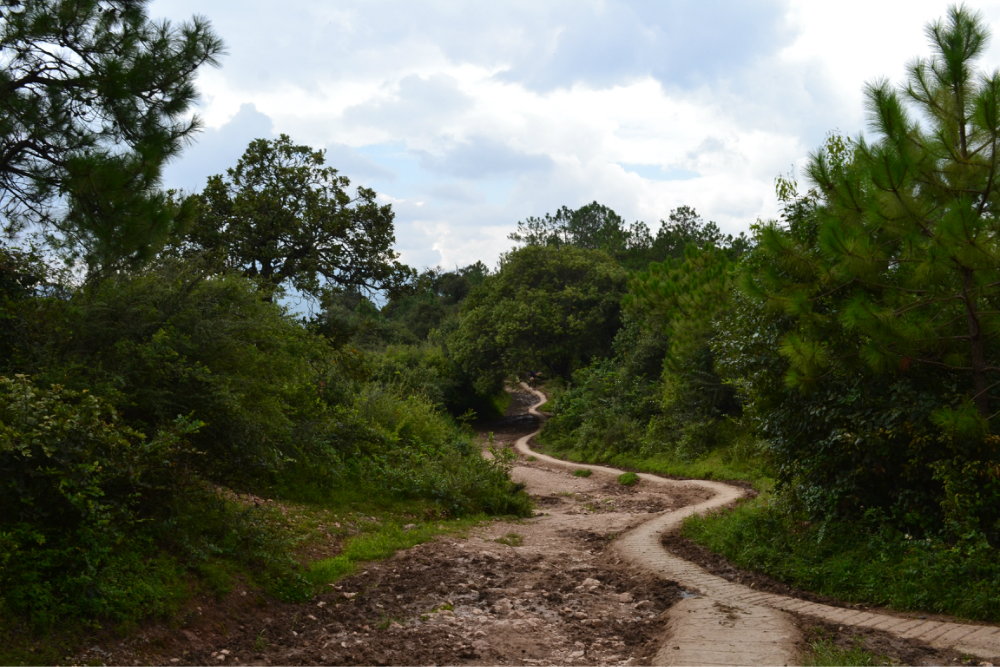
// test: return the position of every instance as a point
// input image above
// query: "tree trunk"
(979, 383)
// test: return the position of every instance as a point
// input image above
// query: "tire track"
(732, 624)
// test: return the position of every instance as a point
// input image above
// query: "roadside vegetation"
(167, 423)
(840, 358)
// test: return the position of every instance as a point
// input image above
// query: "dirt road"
(726, 623)
(585, 582)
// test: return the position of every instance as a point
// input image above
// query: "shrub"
(549, 309)
(174, 341)
(76, 486)
(583, 472)
(864, 560)
(628, 479)
(66, 461)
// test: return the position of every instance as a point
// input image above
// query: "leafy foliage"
(281, 216)
(66, 463)
(597, 227)
(660, 393)
(551, 308)
(265, 406)
(858, 561)
(95, 99)
(903, 256)
(431, 304)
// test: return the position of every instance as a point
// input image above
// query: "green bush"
(628, 479)
(428, 369)
(172, 341)
(583, 472)
(77, 485)
(547, 309)
(66, 462)
(424, 455)
(859, 561)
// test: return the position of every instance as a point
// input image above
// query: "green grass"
(717, 464)
(379, 541)
(583, 472)
(511, 540)
(824, 653)
(856, 562)
(628, 479)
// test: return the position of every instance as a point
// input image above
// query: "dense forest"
(153, 376)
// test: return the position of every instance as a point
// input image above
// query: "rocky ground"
(545, 590)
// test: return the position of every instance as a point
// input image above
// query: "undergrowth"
(865, 561)
(825, 653)
(716, 464)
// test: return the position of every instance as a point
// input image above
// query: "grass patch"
(628, 479)
(377, 536)
(856, 562)
(824, 653)
(511, 540)
(583, 472)
(717, 464)
(532, 458)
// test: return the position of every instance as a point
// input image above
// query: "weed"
(858, 561)
(532, 458)
(628, 479)
(583, 472)
(380, 540)
(511, 540)
(825, 653)
(386, 621)
(260, 644)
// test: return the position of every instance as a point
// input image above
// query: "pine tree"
(899, 263)
(94, 99)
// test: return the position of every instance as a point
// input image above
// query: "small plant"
(386, 622)
(532, 458)
(511, 540)
(260, 644)
(583, 472)
(825, 652)
(628, 479)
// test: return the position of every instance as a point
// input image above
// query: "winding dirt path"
(584, 582)
(728, 623)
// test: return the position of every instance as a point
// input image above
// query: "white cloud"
(471, 116)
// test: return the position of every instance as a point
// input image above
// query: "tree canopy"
(547, 308)
(597, 227)
(281, 216)
(94, 99)
(903, 254)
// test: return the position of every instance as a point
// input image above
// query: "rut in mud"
(570, 586)
(546, 590)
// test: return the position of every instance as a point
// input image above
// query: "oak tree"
(284, 217)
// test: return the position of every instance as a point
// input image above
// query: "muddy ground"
(546, 590)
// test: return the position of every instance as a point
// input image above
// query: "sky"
(470, 116)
